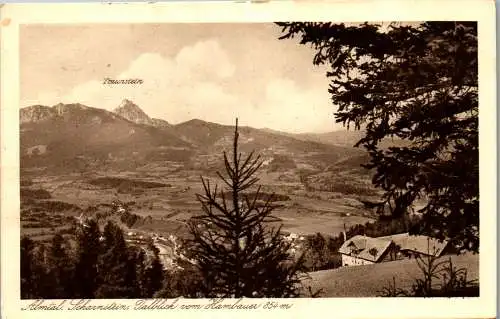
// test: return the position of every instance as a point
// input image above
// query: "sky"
(212, 72)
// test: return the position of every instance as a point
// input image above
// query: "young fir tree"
(86, 270)
(132, 280)
(153, 274)
(27, 269)
(116, 269)
(60, 269)
(316, 255)
(139, 255)
(40, 280)
(235, 249)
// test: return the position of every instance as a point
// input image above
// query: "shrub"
(439, 279)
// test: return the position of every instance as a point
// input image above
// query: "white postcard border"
(482, 11)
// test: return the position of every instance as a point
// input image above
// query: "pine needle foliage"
(418, 83)
(234, 246)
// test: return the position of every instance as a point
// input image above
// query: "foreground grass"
(369, 280)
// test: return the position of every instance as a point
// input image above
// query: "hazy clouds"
(213, 73)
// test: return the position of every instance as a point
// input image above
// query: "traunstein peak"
(130, 111)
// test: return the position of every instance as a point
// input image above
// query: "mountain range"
(130, 111)
(78, 137)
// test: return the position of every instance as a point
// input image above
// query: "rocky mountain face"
(69, 137)
(40, 113)
(35, 113)
(130, 111)
(78, 137)
(160, 123)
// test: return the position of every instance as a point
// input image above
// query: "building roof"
(364, 247)
(418, 243)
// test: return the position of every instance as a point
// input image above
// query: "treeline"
(33, 193)
(126, 217)
(89, 264)
(260, 196)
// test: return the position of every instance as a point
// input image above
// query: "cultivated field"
(167, 200)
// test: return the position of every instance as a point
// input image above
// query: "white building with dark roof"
(363, 250)
(414, 245)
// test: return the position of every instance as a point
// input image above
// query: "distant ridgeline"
(79, 138)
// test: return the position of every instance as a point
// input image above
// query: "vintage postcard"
(249, 159)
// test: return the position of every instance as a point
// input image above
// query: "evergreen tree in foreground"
(113, 265)
(103, 266)
(27, 269)
(60, 269)
(236, 251)
(87, 264)
(154, 274)
(418, 83)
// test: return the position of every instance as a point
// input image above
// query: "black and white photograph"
(279, 159)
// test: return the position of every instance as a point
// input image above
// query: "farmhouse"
(363, 250)
(418, 245)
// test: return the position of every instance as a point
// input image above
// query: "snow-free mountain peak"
(130, 111)
(37, 113)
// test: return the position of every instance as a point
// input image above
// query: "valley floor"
(300, 212)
